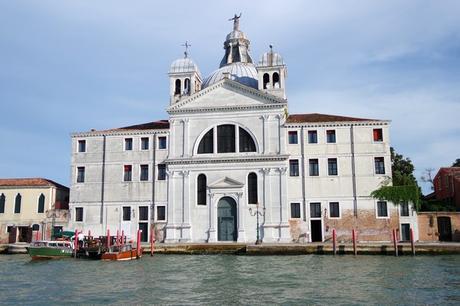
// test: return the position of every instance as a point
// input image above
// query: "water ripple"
(227, 279)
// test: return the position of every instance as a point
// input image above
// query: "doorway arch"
(227, 220)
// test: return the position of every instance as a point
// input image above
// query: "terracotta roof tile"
(29, 182)
(155, 125)
(315, 117)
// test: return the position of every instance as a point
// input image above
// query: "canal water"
(228, 279)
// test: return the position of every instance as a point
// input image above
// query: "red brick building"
(447, 185)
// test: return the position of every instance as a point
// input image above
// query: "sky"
(70, 66)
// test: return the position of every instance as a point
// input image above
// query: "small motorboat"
(44, 249)
(122, 252)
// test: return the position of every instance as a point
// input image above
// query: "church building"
(232, 164)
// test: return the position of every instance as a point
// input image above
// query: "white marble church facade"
(229, 149)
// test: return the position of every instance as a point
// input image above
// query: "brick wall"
(428, 225)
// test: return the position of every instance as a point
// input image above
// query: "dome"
(236, 34)
(270, 59)
(244, 73)
(183, 65)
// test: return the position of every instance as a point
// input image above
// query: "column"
(265, 133)
(284, 234)
(174, 210)
(185, 224)
(270, 207)
(241, 212)
(281, 140)
(212, 236)
(186, 137)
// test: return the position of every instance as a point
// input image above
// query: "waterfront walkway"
(307, 248)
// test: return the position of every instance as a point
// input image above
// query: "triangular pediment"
(227, 94)
(225, 182)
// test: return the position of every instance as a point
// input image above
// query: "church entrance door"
(226, 220)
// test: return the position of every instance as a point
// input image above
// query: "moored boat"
(50, 249)
(122, 252)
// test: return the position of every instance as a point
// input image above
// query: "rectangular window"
(2, 203)
(78, 214)
(82, 146)
(144, 173)
(80, 174)
(225, 138)
(161, 213)
(143, 213)
(128, 173)
(334, 211)
(293, 137)
(379, 165)
(330, 135)
(404, 209)
(295, 210)
(382, 210)
(294, 167)
(315, 210)
(314, 167)
(332, 166)
(128, 144)
(161, 172)
(126, 213)
(312, 137)
(144, 143)
(162, 142)
(378, 135)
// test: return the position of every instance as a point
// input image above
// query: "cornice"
(229, 159)
(119, 133)
(227, 108)
(336, 124)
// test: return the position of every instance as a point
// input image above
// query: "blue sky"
(68, 66)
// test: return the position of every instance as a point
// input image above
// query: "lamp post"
(257, 213)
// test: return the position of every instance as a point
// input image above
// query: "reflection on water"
(227, 279)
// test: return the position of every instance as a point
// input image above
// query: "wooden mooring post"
(75, 243)
(353, 234)
(395, 242)
(334, 241)
(138, 246)
(412, 244)
(152, 240)
(108, 238)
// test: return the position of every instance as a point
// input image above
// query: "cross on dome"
(186, 45)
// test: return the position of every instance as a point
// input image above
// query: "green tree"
(405, 187)
(403, 170)
(456, 163)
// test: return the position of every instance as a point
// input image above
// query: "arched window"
(2, 203)
(41, 203)
(207, 143)
(177, 88)
(225, 138)
(266, 80)
(187, 86)
(201, 189)
(17, 204)
(252, 188)
(246, 142)
(276, 80)
(35, 227)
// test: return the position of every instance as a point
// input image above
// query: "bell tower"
(184, 77)
(272, 74)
